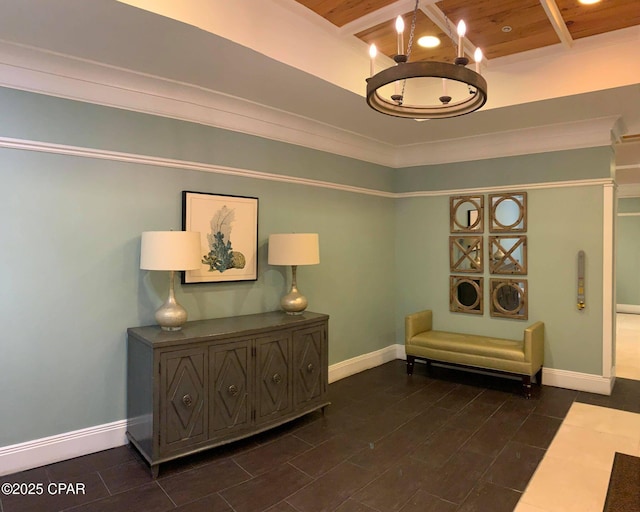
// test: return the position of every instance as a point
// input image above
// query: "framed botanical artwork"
(228, 227)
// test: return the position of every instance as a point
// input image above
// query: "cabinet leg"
(410, 362)
(155, 470)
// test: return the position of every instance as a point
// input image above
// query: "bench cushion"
(510, 350)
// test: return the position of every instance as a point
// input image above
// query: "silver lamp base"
(171, 316)
(294, 303)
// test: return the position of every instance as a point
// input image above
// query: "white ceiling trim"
(557, 22)
(374, 18)
(629, 190)
(540, 139)
(59, 75)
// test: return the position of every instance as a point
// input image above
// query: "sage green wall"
(70, 250)
(69, 260)
(561, 221)
(628, 252)
(589, 163)
(44, 118)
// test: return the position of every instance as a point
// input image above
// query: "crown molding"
(629, 190)
(540, 139)
(36, 70)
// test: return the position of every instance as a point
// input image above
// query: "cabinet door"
(182, 399)
(230, 391)
(273, 393)
(309, 364)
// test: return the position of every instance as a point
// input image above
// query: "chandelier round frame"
(427, 69)
(404, 70)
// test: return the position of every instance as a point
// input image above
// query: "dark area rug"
(623, 494)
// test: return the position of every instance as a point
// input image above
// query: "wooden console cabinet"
(217, 381)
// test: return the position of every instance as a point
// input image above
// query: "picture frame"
(228, 227)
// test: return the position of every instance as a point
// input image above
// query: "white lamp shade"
(170, 250)
(294, 249)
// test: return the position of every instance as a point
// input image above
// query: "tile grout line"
(166, 493)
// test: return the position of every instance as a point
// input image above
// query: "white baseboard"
(39, 452)
(628, 308)
(578, 381)
(364, 362)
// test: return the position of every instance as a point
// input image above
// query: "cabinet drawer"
(231, 387)
(273, 386)
(182, 399)
(309, 364)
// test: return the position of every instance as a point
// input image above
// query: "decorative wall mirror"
(465, 294)
(508, 212)
(466, 214)
(508, 254)
(509, 298)
(465, 253)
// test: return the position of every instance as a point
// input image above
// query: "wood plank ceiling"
(532, 23)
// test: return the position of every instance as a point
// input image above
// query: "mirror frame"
(520, 267)
(496, 310)
(495, 226)
(476, 246)
(477, 308)
(454, 204)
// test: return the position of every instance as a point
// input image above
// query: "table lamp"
(172, 251)
(294, 249)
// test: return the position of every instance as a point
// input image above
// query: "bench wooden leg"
(539, 377)
(526, 386)
(410, 362)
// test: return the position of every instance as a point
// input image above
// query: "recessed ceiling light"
(506, 28)
(588, 2)
(429, 41)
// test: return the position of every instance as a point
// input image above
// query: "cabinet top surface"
(223, 327)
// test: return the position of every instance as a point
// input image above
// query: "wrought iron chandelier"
(406, 98)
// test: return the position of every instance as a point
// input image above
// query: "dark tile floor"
(444, 442)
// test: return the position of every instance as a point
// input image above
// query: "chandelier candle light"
(403, 70)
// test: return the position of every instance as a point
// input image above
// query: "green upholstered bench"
(523, 358)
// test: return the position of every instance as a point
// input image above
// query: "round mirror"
(509, 298)
(508, 212)
(466, 214)
(466, 295)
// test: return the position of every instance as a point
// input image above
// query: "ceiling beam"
(555, 17)
(448, 27)
(376, 17)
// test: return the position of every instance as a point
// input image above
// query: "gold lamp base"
(171, 316)
(294, 303)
